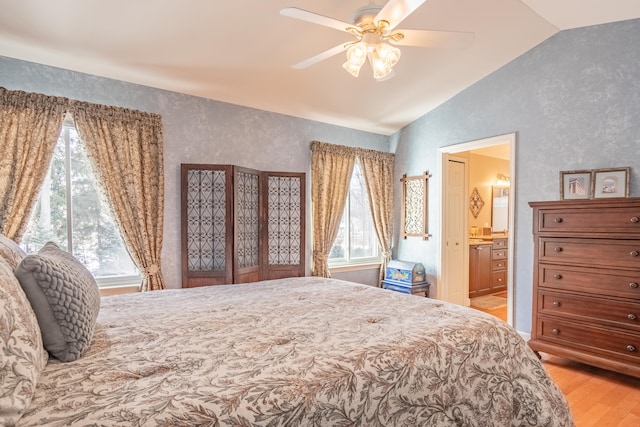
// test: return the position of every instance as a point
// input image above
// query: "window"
(70, 212)
(356, 242)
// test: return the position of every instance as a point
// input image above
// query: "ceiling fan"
(374, 29)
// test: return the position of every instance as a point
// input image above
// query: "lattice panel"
(206, 219)
(284, 220)
(414, 207)
(247, 219)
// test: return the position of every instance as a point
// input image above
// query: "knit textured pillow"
(65, 297)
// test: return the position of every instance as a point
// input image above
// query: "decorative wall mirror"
(415, 191)
(500, 209)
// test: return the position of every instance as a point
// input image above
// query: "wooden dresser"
(586, 282)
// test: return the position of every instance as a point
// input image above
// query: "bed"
(299, 352)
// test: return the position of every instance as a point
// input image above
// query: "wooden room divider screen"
(241, 225)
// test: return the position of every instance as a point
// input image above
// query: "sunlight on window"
(356, 241)
(71, 213)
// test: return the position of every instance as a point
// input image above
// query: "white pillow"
(22, 356)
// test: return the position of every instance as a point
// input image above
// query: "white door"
(454, 225)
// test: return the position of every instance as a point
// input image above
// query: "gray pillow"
(10, 251)
(65, 297)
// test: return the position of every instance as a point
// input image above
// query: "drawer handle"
(631, 316)
(499, 265)
(631, 348)
(499, 280)
(635, 219)
(557, 249)
(555, 331)
(556, 304)
(633, 285)
(557, 276)
(558, 220)
(634, 253)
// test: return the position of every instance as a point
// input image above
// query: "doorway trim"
(468, 146)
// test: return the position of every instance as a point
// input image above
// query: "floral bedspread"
(297, 352)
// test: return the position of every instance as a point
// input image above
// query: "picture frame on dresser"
(611, 183)
(575, 184)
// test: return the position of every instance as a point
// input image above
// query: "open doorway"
(460, 229)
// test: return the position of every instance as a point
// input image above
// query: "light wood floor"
(597, 398)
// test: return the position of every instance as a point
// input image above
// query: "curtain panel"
(30, 124)
(126, 149)
(331, 169)
(378, 172)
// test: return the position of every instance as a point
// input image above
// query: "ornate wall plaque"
(414, 205)
(475, 203)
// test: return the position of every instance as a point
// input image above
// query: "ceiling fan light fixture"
(356, 57)
(354, 70)
(374, 28)
(357, 54)
(382, 59)
(380, 70)
(389, 54)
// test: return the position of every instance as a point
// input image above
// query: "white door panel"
(456, 270)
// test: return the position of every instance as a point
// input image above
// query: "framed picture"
(611, 183)
(575, 185)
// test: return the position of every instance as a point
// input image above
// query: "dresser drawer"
(499, 254)
(596, 281)
(594, 339)
(500, 243)
(622, 314)
(590, 252)
(593, 220)
(498, 264)
(498, 281)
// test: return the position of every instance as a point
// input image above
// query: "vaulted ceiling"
(241, 51)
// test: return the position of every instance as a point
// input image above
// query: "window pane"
(95, 240)
(363, 242)
(48, 221)
(339, 248)
(356, 240)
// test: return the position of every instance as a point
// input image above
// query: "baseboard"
(525, 335)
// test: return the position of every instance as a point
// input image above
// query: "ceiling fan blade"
(320, 57)
(294, 12)
(438, 39)
(395, 11)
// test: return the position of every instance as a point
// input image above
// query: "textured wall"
(196, 130)
(574, 101)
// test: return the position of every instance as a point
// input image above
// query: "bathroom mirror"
(500, 209)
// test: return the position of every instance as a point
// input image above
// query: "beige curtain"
(30, 124)
(127, 151)
(377, 168)
(331, 169)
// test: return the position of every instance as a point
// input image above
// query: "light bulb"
(389, 54)
(357, 54)
(380, 68)
(354, 70)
